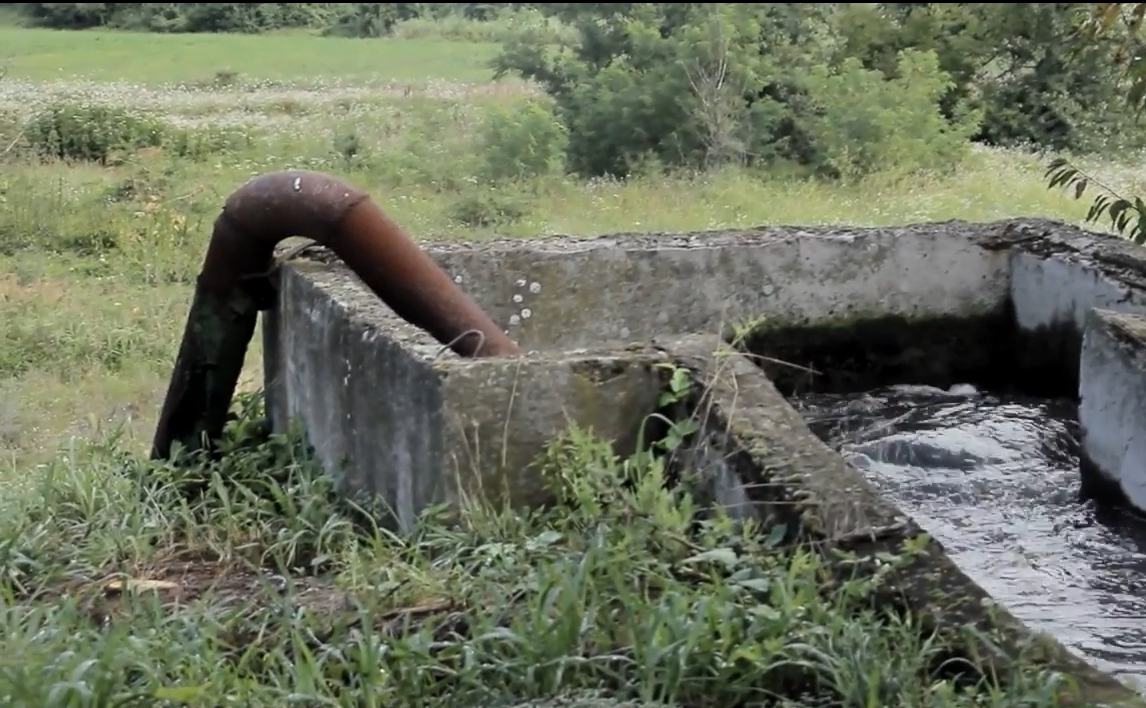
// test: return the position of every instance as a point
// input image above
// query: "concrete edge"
(999, 234)
(1111, 412)
(795, 477)
(539, 397)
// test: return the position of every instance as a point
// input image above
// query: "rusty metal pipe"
(231, 290)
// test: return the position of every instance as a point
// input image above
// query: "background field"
(49, 55)
(96, 261)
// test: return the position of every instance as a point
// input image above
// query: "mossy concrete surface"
(392, 416)
(391, 413)
(568, 293)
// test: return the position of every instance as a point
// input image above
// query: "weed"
(263, 590)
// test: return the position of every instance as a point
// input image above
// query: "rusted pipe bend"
(279, 205)
(255, 218)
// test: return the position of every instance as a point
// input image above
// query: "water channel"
(995, 479)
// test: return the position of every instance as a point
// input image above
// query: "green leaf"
(760, 585)
(180, 694)
(717, 556)
(776, 535)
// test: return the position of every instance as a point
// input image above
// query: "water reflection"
(996, 481)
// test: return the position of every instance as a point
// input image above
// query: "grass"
(125, 588)
(50, 55)
(259, 590)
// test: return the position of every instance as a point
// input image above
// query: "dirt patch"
(189, 584)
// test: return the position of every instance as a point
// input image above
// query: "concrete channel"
(749, 314)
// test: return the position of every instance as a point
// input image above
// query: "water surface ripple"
(995, 479)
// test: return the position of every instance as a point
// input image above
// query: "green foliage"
(485, 208)
(101, 134)
(263, 590)
(1112, 32)
(338, 18)
(183, 17)
(1123, 215)
(498, 28)
(861, 123)
(1022, 64)
(370, 19)
(703, 84)
(521, 143)
(1115, 30)
(689, 85)
(91, 133)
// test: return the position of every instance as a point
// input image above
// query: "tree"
(1120, 25)
(1022, 64)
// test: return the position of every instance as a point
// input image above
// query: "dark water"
(996, 481)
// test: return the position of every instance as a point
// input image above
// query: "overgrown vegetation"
(705, 83)
(673, 112)
(263, 591)
(609, 117)
(341, 18)
(1116, 25)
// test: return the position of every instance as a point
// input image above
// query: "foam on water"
(995, 479)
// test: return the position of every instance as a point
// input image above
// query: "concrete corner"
(392, 417)
(499, 416)
(1112, 412)
(758, 454)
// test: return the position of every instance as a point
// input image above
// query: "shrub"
(694, 88)
(521, 143)
(478, 208)
(91, 133)
(860, 123)
(697, 85)
(499, 27)
(635, 87)
(1036, 80)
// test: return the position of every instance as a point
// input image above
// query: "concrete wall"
(339, 364)
(1059, 274)
(565, 293)
(391, 419)
(392, 415)
(1112, 410)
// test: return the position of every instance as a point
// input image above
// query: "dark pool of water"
(996, 480)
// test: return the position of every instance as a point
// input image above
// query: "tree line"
(835, 89)
(363, 19)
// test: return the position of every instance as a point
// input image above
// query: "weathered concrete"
(1112, 410)
(757, 452)
(564, 297)
(566, 293)
(391, 418)
(391, 415)
(1058, 275)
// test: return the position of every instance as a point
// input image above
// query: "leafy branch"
(1123, 23)
(1127, 217)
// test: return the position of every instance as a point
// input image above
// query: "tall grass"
(243, 582)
